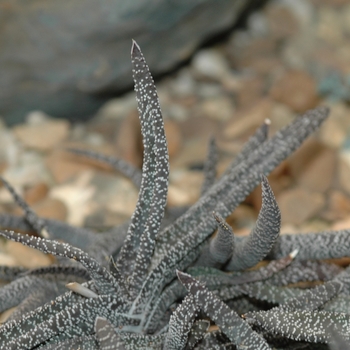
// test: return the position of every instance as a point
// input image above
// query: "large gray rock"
(65, 57)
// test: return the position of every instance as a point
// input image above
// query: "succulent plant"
(162, 279)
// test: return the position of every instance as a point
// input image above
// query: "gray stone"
(66, 57)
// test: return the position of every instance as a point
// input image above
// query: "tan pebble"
(7, 259)
(43, 136)
(184, 188)
(102, 127)
(198, 127)
(117, 108)
(26, 256)
(76, 196)
(318, 174)
(129, 194)
(338, 206)
(281, 115)
(344, 175)
(64, 166)
(328, 27)
(298, 205)
(296, 89)
(299, 160)
(288, 229)
(342, 224)
(232, 83)
(129, 141)
(3, 166)
(250, 91)
(51, 208)
(36, 193)
(264, 65)
(173, 136)
(257, 54)
(279, 181)
(244, 231)
(217, 108)
(281, 21)
(193, 151)
(178, 197)
(87, 162)
(249, 119)
(333, 133)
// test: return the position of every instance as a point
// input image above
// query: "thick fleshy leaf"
(180, 324)
(262, 237)
(235, 186)
(197, 332)
(239, 332)
(138, 304)
(314, 245)
(104, 281)
(151, 203)
(312, 326)
(107, 337)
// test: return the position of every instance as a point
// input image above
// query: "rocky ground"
(292, 56)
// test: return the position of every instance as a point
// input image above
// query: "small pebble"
(173, 136)
(210, 64)
(296, 89)
(118, 108)
(42, 136)
(76, 196)
(344, 172)
(51, 208)
(36, 193)
(338, 206)
(249, 119)
(219, 108)
(298, 205)
(322, 163)
(26, 256)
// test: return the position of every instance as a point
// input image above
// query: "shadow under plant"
(125, 289)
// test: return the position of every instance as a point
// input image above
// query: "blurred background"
(221, 68)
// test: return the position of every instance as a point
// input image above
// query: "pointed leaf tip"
(264, 180)
(134, 46)
(294, 253)
(217, 217)
(183, 277)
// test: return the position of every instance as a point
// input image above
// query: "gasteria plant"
(140, 299)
